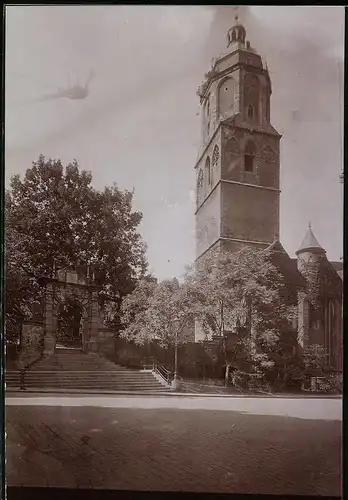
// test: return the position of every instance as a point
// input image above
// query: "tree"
(157, 312)
(21, 288)
(240, 293)
(315, 360)
(55, 215)
(136, 303)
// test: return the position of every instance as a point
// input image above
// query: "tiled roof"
(286, 265)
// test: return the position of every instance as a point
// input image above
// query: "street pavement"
(230, 445)
(321, 408)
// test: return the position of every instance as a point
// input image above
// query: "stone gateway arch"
(75, 285)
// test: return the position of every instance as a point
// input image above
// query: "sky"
(140, 125)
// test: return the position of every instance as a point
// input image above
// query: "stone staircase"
(71, 370)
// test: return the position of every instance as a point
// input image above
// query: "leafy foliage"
(235, 297)
(315, 359)
(240, 288)
(241, 292)
(158, 312)
(55, 215)
(320, 277)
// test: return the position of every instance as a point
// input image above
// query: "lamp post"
(175, 382)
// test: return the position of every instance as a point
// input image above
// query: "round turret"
(310, 250)
(310, 244)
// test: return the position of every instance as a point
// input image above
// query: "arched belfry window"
(234, 36)
(250, 112)
(249, 157)
(207, 170)
(251, 96)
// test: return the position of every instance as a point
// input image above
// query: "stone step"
(91, 375)
(84, 381)
(130, 380)
(115, 387)
(88, 379)
(73, 370)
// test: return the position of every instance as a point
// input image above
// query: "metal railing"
(162, 372)
(156, 367)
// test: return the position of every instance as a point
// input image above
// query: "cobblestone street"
(172, 449)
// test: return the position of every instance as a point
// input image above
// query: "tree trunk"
(227, 364)
(227, 374)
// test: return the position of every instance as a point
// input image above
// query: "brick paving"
(171, 449)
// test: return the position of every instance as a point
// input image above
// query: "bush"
(331, 384)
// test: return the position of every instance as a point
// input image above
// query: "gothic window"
(250, 112)
(249, 157)
(200, 181)
(251, 94)
(216, 155)
(207, 170)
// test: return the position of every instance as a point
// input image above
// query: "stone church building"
(238, 190)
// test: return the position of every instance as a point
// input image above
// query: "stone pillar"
(338, 344)
(85, 330)
(303, 320)
(94, 322)
(50, 322)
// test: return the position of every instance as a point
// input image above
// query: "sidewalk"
(32, 392)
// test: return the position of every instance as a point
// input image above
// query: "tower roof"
(237, 33)
(310, 243)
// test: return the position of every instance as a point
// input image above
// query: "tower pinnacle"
(237, 33)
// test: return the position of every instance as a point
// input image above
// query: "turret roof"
(310, 243)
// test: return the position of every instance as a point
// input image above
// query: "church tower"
(237, 172)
